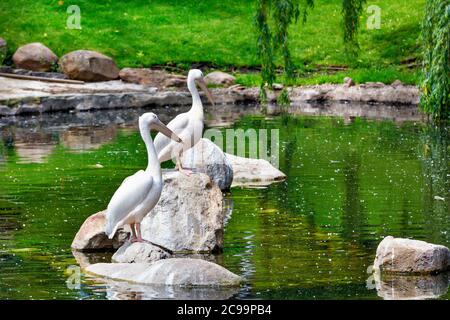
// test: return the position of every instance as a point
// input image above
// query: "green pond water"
(351, 182)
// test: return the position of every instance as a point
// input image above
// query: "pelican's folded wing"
(131, 193)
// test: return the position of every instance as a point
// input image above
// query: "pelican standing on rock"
(139, 193)
(188, 126)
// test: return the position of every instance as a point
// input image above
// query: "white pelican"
(188, 126)
(139, 193)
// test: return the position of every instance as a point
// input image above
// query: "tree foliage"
(351, 11)
(273, 18)
(435, 87)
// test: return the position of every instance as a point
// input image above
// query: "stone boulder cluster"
(92, 66)
(182, 233)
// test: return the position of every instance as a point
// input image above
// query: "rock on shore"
(26, 96)
(34, 56)
(88, 66)
(220, 78)
(173, 272)
(405, 256)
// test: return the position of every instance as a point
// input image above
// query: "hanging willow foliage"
(351, 11)
(273, 18)
(435, 87)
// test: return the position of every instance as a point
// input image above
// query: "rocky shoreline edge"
(20, 97)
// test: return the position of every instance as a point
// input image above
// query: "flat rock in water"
(208, 158)
(248, 171)
(189, 215)
(92, 236)
(139, 252)
(173, 272)
(405, 256)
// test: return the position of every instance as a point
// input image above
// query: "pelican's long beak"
(204, 87)
(161, 127)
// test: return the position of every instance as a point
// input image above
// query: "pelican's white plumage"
(139, 193)
(188, 126)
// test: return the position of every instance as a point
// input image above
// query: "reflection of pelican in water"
(139, 193)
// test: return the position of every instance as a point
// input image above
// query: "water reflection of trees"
(434, 152)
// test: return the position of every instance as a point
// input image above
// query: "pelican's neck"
(197, 106)
(153, 166)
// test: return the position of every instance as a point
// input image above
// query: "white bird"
(188, 126)
(140, 192)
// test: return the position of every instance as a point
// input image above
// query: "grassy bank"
(220, 34)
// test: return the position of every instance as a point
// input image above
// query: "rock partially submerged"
(171, 272)
(92, 236)
(189, 215)
(405, 256)
(34, 56)
(208, 158)
(88, 66)
(139, 252)
(248, 171)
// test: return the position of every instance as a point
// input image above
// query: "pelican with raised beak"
(188, 126)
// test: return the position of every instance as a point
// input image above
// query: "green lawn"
(218, 33)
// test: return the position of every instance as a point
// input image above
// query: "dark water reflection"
(351, 181)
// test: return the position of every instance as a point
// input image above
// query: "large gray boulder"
(92, 236)
(34, 56)
(220, 78)
(173, 272)
(189, 215)
(405, 256)
(208, 158)
(247, 171)
(139, 252)
(88, 66)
